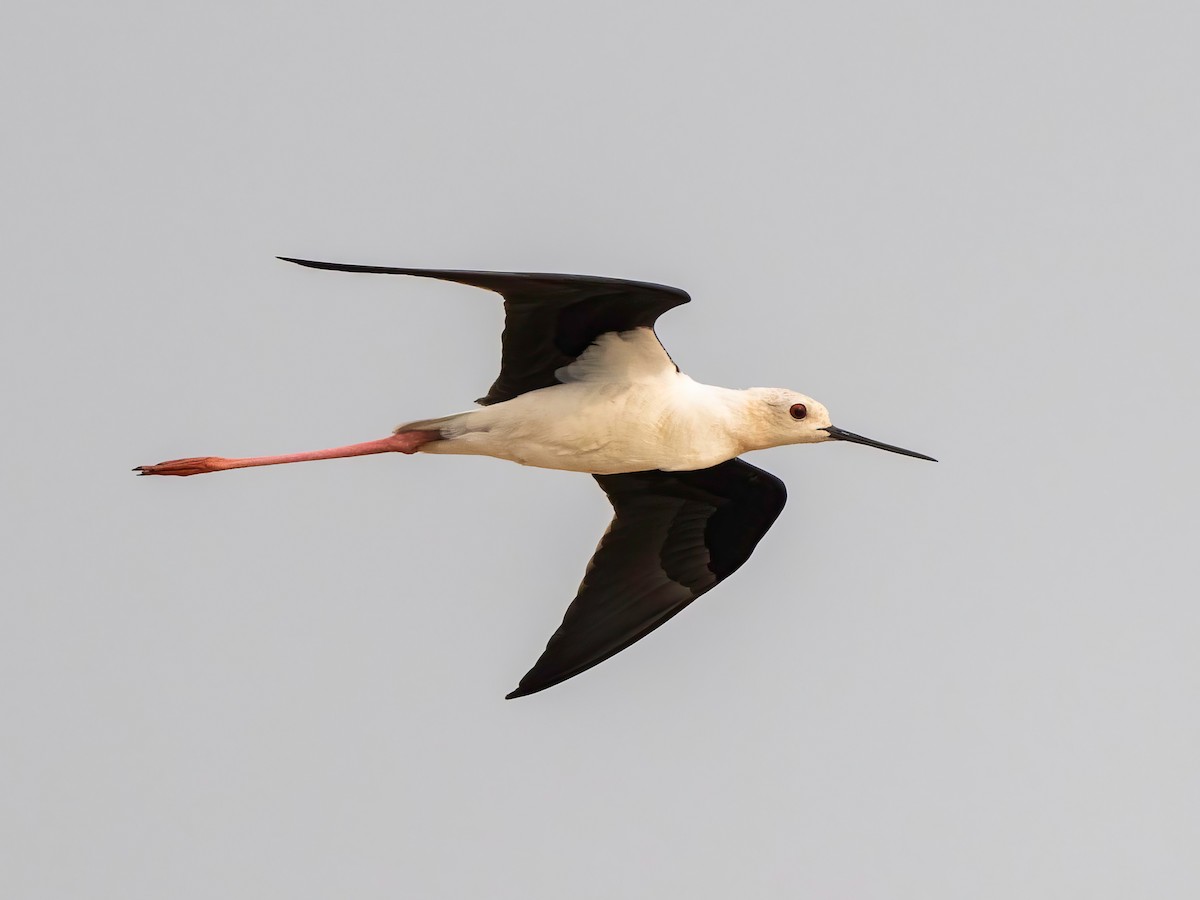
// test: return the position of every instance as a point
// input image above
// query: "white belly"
(601, 428)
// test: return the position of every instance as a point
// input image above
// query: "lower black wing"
(549, 320)
(674, 535)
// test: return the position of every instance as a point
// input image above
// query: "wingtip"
(336, 267)
(524, 690)
(317, 264)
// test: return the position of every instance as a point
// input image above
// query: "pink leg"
(404, 442)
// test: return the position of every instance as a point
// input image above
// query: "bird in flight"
(586, 386)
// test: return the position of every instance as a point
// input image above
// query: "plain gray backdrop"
(969, 229)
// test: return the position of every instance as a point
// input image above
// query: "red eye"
(799, 410)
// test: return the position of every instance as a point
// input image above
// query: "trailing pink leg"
(404, 442)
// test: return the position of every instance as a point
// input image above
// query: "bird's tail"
(446, 426)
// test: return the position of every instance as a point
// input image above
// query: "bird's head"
(780, 417)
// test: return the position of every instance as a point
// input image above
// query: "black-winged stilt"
(586, 386)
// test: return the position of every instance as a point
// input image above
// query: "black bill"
(839, 434)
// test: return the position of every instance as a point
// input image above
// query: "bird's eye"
(799, 410)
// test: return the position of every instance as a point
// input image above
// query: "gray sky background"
(968, 229)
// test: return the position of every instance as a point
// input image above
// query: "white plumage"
(624, 407)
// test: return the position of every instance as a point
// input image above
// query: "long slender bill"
(840, 434)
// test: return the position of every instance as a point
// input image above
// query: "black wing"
(674, 535)
(549, 320)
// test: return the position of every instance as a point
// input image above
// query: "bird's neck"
(739, 414)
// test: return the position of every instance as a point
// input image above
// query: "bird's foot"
(196, 465)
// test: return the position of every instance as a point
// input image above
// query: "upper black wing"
(549, 320)
(674, 535)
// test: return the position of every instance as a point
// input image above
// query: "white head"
(779, 416)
